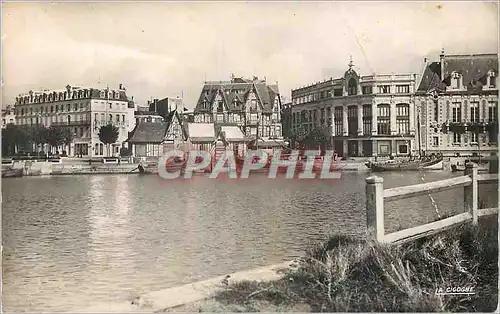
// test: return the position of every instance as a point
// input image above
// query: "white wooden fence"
(376, 197)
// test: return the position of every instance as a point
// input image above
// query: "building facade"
(371, 115)
(457, 100)
(153, 139)
(252, 105)
(83, 111)
(8, 116)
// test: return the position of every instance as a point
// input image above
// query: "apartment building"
(83, 111)
(371, 115)
(457, 100)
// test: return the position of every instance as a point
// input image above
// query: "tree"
(316, 137)
(38, 135)
(108, 134)
(55, 136)
(67, 136)
(13, 136)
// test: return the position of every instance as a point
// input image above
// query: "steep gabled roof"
(431, 78)
(148, 132)
(472, 68)
(238, 89)
(174, 114)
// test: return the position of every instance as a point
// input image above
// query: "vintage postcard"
(249, 156)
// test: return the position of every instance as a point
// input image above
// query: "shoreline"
(170, 298)
(49, 169)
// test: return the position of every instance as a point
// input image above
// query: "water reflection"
(110, 254)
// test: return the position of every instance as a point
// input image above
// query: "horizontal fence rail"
(376, 196)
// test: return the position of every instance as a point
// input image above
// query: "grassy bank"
(348, 274)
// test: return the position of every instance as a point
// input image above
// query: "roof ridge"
(471, 55)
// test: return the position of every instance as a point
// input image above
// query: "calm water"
(72, 241)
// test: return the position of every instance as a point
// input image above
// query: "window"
(402, 110)
(96, 116)
(110, 118)
(403, 118)
(352, 87)
(474, 112)
(402, 89)
(492, 111)
(457, 138)
(68, 107)
(338, 116)
(75, 106)
(435, 141)
(436, 110)
(220, 107)
(110, 105)
(383, 111)
(57, 109)
(492, 79)
(403, 126)
(383, 119)
(455, 80)
(367, 126)
(329, 116)
(384, 89)
(253, 105)
(337, 92)
(123, 118)
(367, 90)
(352, 118)
(456, 113)
(367, 119)
(117, 118)
(473, 138)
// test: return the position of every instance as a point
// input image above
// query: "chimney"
(120, 86)
(441, 59)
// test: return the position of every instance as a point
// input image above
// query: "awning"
(201, 132)
(233, 134)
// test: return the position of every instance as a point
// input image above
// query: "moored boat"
(12, 173)
(435, 162)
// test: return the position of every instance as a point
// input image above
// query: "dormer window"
(455, 80)
(491, 79)
(220, 107)
(204, 104)
(352, 87)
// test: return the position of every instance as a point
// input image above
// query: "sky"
(168, 49)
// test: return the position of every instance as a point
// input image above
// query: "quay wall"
(31, 168)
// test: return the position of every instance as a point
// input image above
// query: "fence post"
(471, 192)
(375, 206)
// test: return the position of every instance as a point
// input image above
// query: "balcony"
(98, 123)
(71, 123)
